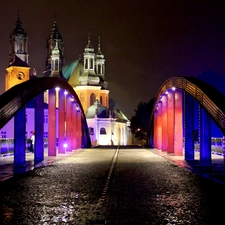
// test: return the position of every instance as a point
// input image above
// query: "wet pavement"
(6, 162)
(109, 186)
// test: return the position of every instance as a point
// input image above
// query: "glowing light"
(173, 88)
(65, 92)
(77, 108)
(65, 145)
(57, 88)
(166, 92)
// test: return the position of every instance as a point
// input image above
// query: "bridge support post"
(20, 141)
(164, 124)
(159, 126)
(61, 122)
(155, 129)
(79, 132)
(178, 129)
(205, 137)
(170, 121)
(189, 126)
(74, 126)
(39, 128)
(68, 122)
(51, 123)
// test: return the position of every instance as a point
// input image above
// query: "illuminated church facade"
(106, 126)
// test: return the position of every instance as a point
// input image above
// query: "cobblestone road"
(99, 186)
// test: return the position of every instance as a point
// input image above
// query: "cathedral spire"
(100, 64)
(18, 42)
(89, 47)
(99, 48)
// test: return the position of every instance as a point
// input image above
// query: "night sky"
(145, 42)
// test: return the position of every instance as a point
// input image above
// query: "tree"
(140, 121)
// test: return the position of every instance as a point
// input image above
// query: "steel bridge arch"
(16, 97)
(210, 99)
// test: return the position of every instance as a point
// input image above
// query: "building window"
(91, 64)
(45, 134)
(86, 63)
(56, 65)
(99, 69)
(91, 131)
(45, 118)
(102, 130)
(101, 99)
(3, 134)
(92, 99)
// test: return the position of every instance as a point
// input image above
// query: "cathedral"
(87, 77)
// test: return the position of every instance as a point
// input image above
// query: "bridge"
(64, 111)
(171, 122)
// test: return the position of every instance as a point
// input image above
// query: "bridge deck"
(215, 171)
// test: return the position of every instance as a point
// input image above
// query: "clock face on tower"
(20, 75)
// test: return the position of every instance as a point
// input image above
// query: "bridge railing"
(7, 146)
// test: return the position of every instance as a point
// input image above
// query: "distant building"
(106, 126)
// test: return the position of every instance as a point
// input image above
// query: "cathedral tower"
(92, 85)
(18, 69)
(55, 53)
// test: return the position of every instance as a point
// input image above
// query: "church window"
(102, 130)
(91, 131)
(91, 64)
(56, 65)
(101, 99)
(86, 63)
(92, 99)
(99, 69)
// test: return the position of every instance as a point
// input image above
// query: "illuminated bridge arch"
(172, 118)
(13, 103)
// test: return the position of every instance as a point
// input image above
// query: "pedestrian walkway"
(214, 171)
(6, 162)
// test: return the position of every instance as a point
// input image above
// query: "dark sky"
(144, 42)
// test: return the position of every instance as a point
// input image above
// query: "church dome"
(97, 109)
